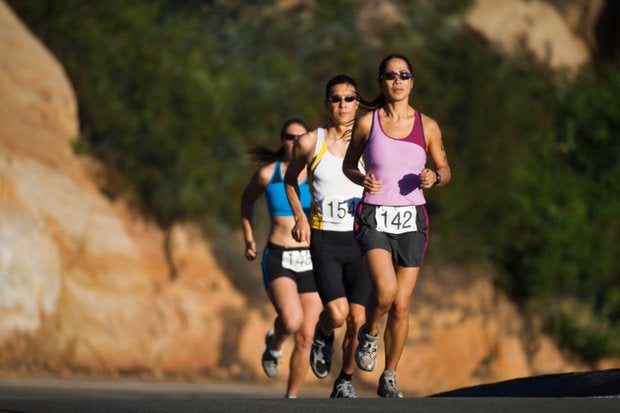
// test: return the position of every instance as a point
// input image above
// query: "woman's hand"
(427, 178)
(371, 185)
(301, 231)
(250, 250)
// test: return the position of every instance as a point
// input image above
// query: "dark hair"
(338, 80)
(290, 122)
(386, 59)
(380, 99)
(263, 155)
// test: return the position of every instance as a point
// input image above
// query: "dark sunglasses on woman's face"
(393, 75)
(291, 136)
(338, 99)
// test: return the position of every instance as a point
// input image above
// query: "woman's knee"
(355, 320)
(385, 295)
(291, 322)
(400, 310)
(304, 337)
(338, 311)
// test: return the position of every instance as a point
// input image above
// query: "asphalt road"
(420, 405)
(591, 392)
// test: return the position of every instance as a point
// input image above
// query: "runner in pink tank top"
(391, 224)
(396, 163)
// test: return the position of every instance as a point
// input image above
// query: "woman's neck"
(339, 128)
(398, 110)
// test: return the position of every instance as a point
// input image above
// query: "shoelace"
(368, 347)
(320, 346)
(346, 388)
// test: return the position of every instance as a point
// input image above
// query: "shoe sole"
(267, 339)
(268, 374)
(313, 367)
(338, 394)
(312, 362)
(391, 396)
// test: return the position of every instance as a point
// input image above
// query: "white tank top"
(334, 196)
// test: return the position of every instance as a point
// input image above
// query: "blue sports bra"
(277, 202)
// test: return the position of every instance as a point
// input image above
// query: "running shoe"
(366, 351)
(388, 386)
(271, 358)
(343, 389)
(321, 354)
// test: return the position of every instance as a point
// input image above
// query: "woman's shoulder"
(265, 172)
(307, 141)
(365, 120)
(363, 124)
(431, 127)
(427, 121)
(312, 135)
(367, 115)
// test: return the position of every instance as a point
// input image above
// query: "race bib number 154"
(339, 211)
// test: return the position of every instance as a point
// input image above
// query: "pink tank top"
(396, 163)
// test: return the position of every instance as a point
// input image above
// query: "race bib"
(396, 219)
(297, 260)
(339, 211)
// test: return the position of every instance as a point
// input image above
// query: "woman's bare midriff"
(281, 232)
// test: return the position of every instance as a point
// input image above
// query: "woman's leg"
(355, 320)
(334, 315)
(397, 327)
(312, 306)
(384, 287)
(286, 301)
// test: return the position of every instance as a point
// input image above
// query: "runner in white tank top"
(339, 269)
(334, 196)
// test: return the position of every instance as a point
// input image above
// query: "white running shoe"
(366, 351)
(271, 358)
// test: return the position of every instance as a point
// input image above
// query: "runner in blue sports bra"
(277, 203)
(286, 263)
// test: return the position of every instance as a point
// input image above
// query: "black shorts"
(274, 266)
(339, 267)
(407, 249)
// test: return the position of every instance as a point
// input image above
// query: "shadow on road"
(605, 383)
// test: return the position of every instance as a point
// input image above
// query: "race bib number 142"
(396, 219)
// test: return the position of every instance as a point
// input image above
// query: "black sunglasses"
(393, 75)
(338, 99)
(291, 136)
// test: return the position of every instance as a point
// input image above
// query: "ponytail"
(263, 155)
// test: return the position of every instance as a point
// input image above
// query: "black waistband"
(275, 247)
